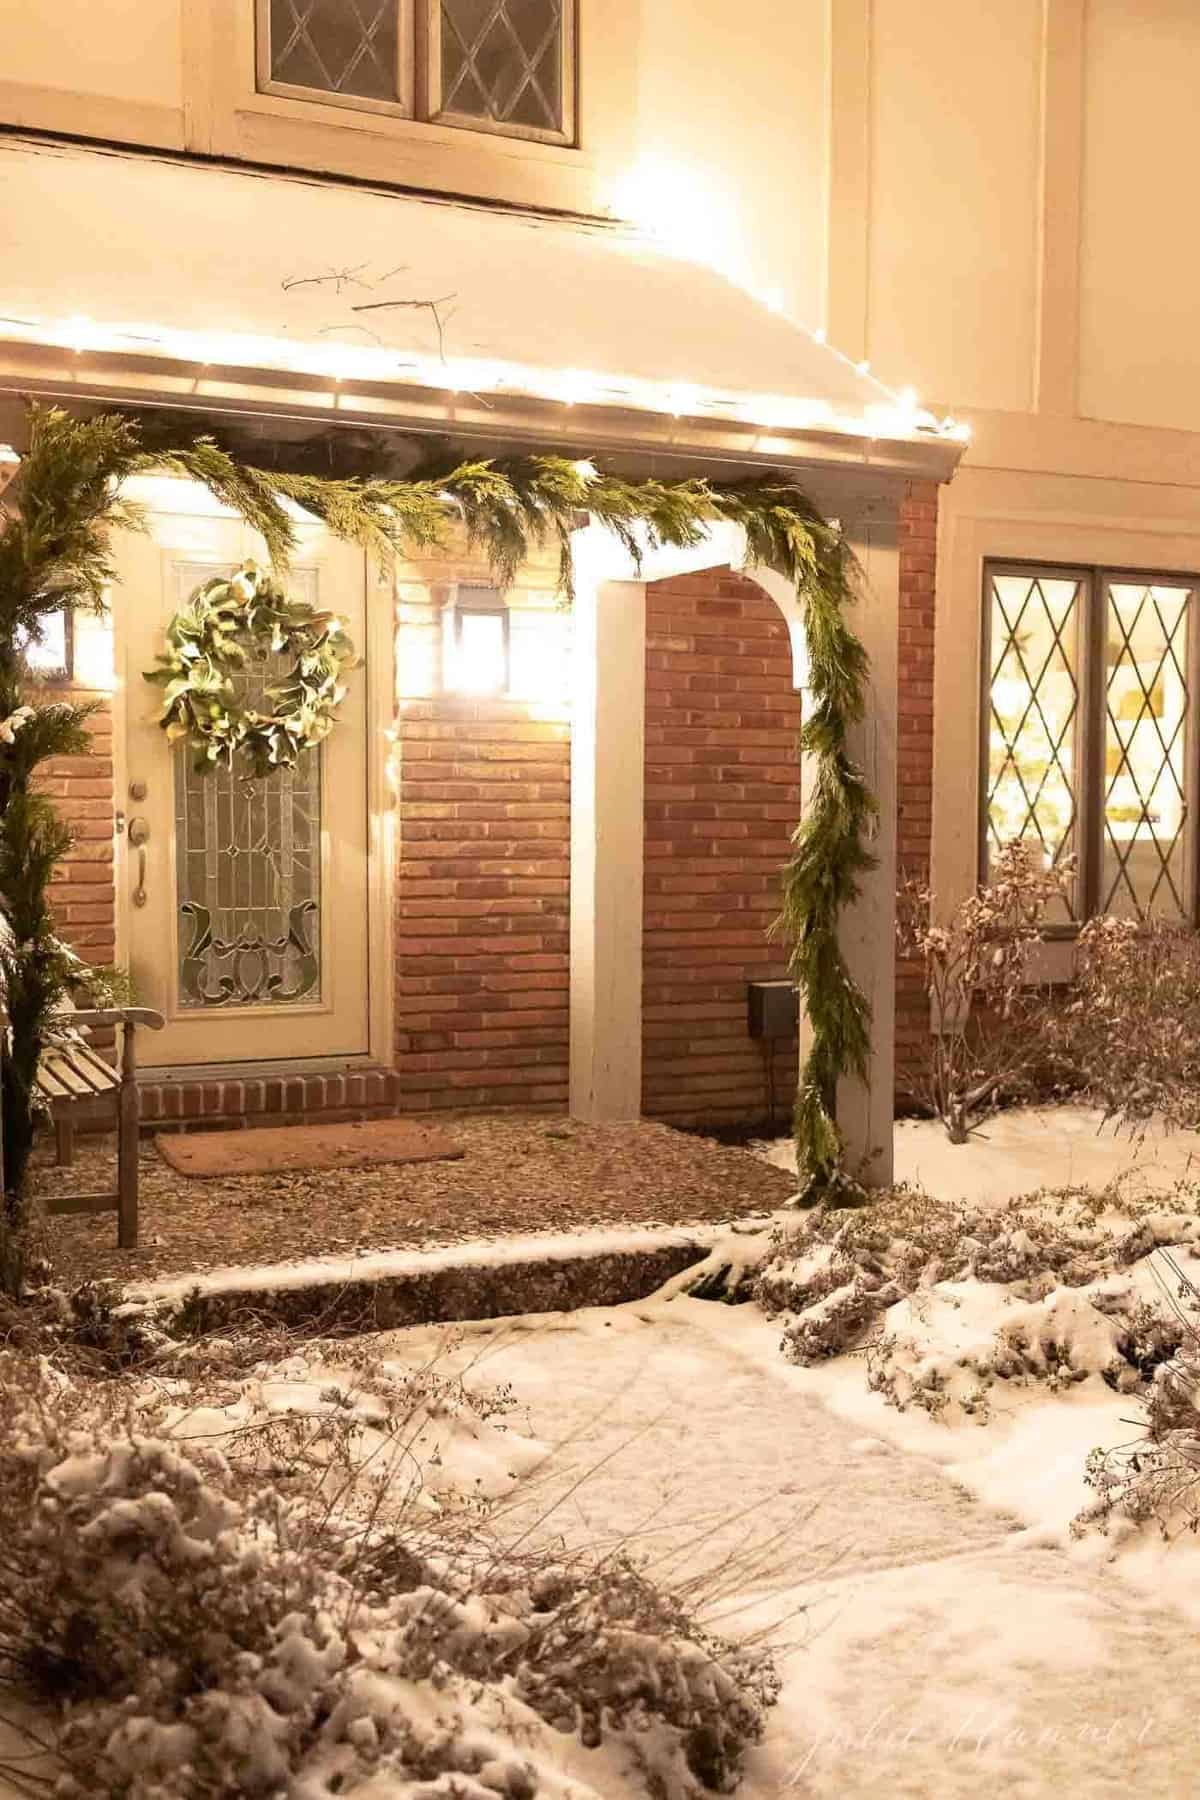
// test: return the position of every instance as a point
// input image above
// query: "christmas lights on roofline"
(893, 416)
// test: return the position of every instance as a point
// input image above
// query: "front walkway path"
(942, 1650)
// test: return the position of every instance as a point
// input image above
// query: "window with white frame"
(505, 66)
(1089, 748)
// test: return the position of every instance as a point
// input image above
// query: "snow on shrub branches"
(945, 1301)
(223, 1600)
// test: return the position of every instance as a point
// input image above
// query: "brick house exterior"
(483, 867)
(482, 906)
(547, 894)
(83, 897)
(914, 763)
(641, 291)
(722, 799)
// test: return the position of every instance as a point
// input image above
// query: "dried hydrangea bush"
(1130, 1030)
(988, 1016)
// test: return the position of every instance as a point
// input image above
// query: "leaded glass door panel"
(246, 899)
(248, 876)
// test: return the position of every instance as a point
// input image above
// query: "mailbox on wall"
(773, 1009)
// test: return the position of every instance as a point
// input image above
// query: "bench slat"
(79, 1203)
(58, 1064)
(101, 1074)
(96, 1076)
(48, 1085)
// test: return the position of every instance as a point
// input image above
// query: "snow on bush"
(1129, 1030)
(275, 1589)
(1156, 1477)
(945, 1301)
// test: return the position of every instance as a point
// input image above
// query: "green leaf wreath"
(230, 623)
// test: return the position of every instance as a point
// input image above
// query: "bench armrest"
(116, 1015)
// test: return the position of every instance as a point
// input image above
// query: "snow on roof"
(115, 252)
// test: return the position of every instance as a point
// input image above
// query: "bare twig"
(430, 306)
(339, 277)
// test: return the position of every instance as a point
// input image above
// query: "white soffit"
(127, 254)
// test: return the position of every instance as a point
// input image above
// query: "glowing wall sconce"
(51, 655)
(476, 648)
(10, 462)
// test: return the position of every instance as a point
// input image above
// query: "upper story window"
(1090, 747)
(505, 66)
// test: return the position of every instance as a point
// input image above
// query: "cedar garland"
(56, 551)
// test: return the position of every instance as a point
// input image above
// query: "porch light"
(50, 655)
(10, 462)
(475, 642)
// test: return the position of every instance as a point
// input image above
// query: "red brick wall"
(918, 562)
(482, 913)
(83, 896)
(722, 799)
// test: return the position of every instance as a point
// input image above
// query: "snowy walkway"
(944, 1650)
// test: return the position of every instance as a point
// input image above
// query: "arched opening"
(722, 798)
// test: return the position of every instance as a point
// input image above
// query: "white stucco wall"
(953, 273)
(1139, 266)
(906, 140)
(121, 49)
(732, 100)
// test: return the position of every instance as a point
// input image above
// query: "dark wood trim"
(1090, 795)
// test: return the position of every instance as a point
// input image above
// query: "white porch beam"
(607, 808)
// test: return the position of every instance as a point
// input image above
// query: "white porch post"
(608, 812)
(868, 931)
(866, 1110)
(607, 783)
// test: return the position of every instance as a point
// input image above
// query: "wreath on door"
(231, 622)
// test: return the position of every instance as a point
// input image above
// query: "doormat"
(284, 1147)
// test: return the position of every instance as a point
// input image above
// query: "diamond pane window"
(1145, 843)
(501, 63)
(1033, 701)
(349, 49)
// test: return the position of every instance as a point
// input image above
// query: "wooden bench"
(72, 1079)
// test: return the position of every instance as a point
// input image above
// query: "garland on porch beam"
(55, 551)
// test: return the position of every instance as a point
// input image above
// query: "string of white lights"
(894, 416)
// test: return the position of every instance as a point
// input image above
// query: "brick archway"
(722, 797)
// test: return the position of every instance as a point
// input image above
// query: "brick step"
(230, 1103)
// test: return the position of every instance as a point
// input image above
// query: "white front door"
(245, 901)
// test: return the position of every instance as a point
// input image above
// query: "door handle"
(139, 833)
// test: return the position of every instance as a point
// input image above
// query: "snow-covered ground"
(1027, 1148)
(941, 1631)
